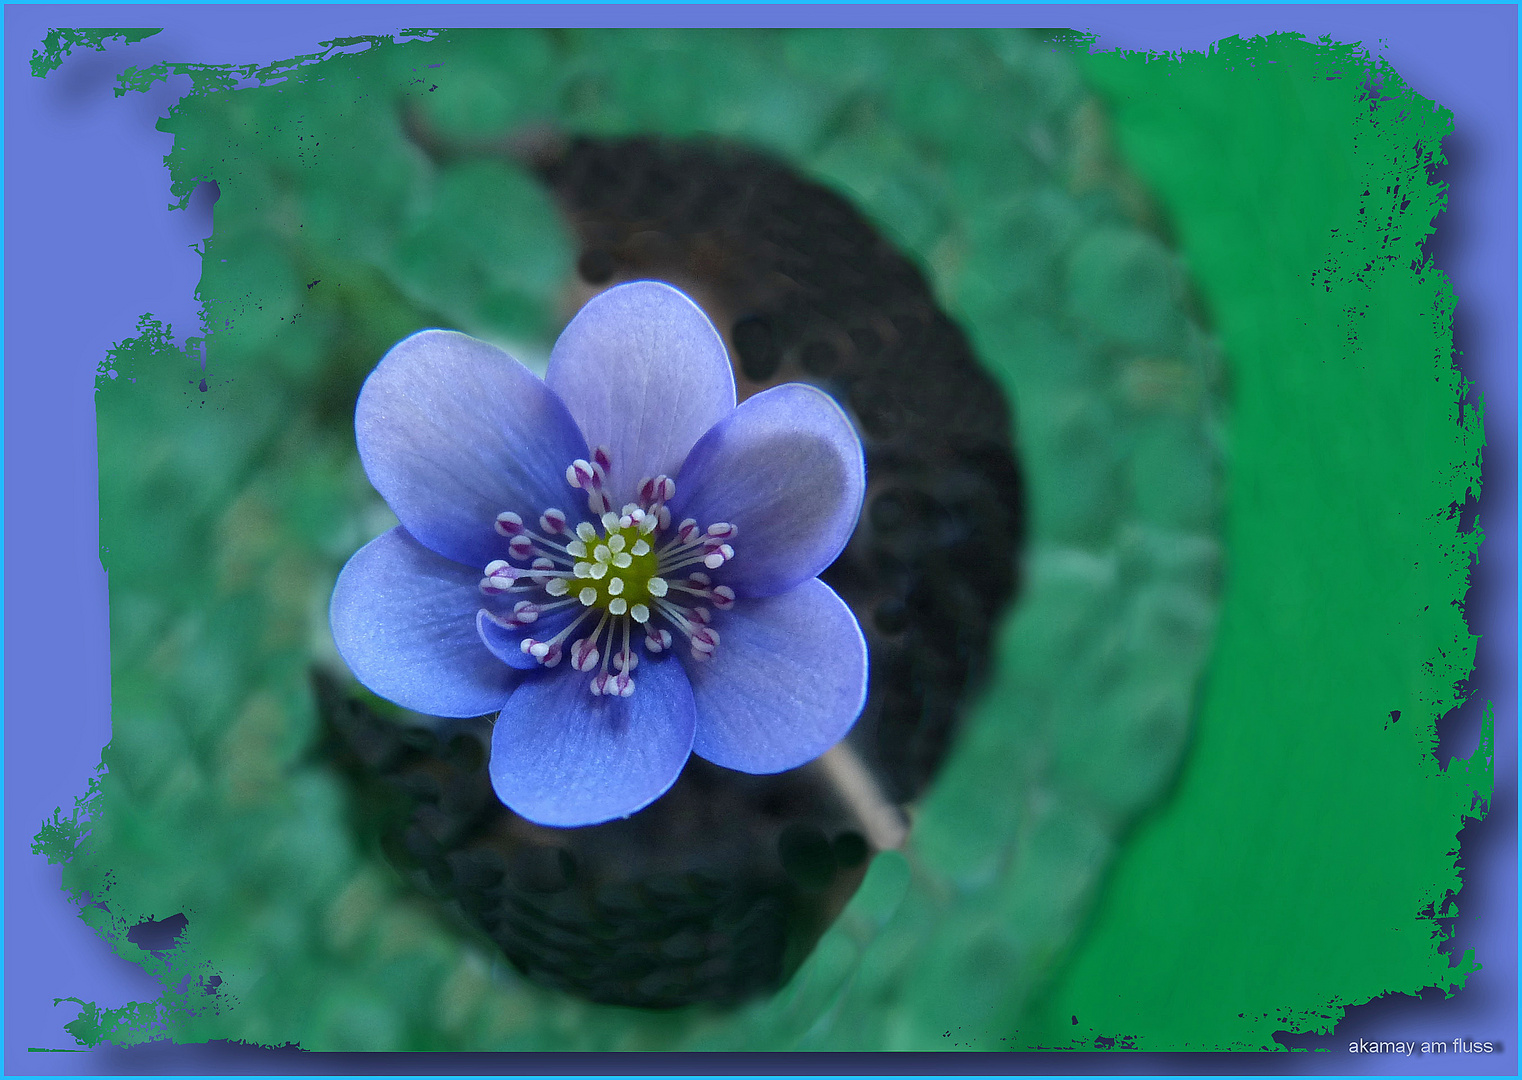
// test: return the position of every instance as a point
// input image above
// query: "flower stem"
(883, 821)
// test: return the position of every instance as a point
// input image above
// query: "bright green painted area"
(1309, 833)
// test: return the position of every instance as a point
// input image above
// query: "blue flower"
(617, 559)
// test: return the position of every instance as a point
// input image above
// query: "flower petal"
(644, 373)
(787, 468)
(452, 431)
(562, 757)
(404, 620)
(506, 642)
(786, 683)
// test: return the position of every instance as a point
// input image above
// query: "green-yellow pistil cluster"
(616, 571)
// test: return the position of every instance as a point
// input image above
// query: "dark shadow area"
(200, 207)
(158, 936)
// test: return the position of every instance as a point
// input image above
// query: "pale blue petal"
(404, 620)
(645, 374)
(453, 431)
(787, 468)
(562, 757)
(786, 683)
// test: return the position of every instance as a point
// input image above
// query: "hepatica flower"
(617, 559)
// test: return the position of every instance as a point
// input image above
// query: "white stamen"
(557, 587)
(711, 557)
(499, 579)
(657, 639)
(624, 659)
(640, 548)
(547, 653)
(552, 521)
(601, 553)
(586, 531)
(622, 560)
(599, 570)
(616, 542)
(587, 596)
(618, 605)
(579, 474)
(656, 586)
(609, 521)
(639, 613)
(558, 604)
(582, 569)
(584, 654)
(576, 549)
(509, 523)
(615, 586)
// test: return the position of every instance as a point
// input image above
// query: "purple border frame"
(84, 175)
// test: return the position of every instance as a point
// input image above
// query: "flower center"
(617, 570)
(628, 575)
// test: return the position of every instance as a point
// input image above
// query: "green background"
(1301, 856)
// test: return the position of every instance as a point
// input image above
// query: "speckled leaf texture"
(1245, 444)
